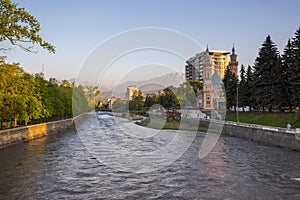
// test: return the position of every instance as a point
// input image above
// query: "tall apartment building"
(131, 91)
(203, 65)
(209, 68)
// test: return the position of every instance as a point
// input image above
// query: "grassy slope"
(270, 119)
(172, 124)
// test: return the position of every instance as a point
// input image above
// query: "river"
(76, 165)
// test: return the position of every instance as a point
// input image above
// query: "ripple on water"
(60, 167)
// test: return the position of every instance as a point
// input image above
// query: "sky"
(77, 28)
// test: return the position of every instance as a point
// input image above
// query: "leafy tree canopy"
(20, 28)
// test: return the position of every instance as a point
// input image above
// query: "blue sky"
(77, 27)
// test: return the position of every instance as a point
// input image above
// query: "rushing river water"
(66, 166)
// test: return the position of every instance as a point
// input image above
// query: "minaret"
(233, 62)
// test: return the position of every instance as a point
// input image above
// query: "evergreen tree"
(266, 75)
(230, 83)
(242, 89)
(249, 90)
(280, 91)
(294, 70)
(288, 66)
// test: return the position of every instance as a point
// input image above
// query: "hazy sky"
(77, 27)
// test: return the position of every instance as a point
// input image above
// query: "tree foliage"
(249, 88)
(230, 83)
(25, 97)
(266, 74)
(292, 60)
(20, 28)
(243, 93)
(274, 80)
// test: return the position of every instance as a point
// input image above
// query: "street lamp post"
(237, 103)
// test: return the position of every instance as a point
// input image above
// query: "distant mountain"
(152, 85)
(82, 82)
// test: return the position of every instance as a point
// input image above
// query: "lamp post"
(237, 103)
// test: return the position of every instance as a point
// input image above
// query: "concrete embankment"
(23, 134)
(271, 135)
(267, 134)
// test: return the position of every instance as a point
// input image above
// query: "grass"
(278, 119)
(172, 124)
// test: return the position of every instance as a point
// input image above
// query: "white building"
(131, 91)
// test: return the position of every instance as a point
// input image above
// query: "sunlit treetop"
(20, 28)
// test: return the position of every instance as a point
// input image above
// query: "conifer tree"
(265, 75)
(249, 87)
(288, 65)
(280, 85)
(242, 95)
(230, 83)
(294, 70)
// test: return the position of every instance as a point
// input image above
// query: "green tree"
(168, 99)
(196, 85)
(19, 98)
(12, 105)
(281, 98)
(288, 66)
(32, 95)
(151, 100)
(186, 94)
(249, 89)
(42, 88)
(137, 102)
(243, 89)
(266, 75)
(65, 95)
(20, 28)
(294, 69)
(79, 101)
(230, 83)
(91, 92)
(119, 106)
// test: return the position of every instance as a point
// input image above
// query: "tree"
(249, 89)
(186, 93)
(42, 87)
(137, 102)
(151, 100)
(243, 89)
(79, 101)
(34, 108)
(19, 99)
(20, 28)
(288, 66)
(168, 99)
(230, 83)
(294, 69)
(281, 98)
(266, 75)
(91, 93)
(196, 85)
(119, 106)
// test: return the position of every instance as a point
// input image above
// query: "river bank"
(23, 134)
(272, 135)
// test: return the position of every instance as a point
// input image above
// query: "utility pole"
(43, 71)
(237, 103)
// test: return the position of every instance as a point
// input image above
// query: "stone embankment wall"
(23, 134)
(267, 134)
(272, 135)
